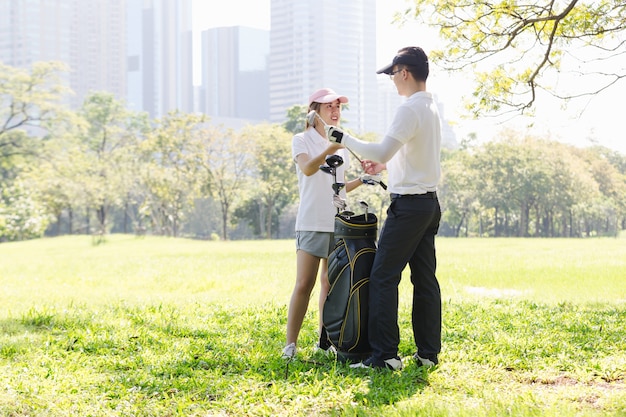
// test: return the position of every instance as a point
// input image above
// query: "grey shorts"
(318, 244)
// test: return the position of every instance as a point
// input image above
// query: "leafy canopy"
(517, 49)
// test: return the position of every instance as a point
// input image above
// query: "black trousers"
(407, 237)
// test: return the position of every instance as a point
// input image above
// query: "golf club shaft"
(382, 184)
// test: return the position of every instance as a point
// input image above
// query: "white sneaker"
(329, 352)
(289, 351)
(395, 364)
(424, 361)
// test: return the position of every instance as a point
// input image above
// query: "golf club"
(330, 167)
(365, 207)
(334, 161)
(327, 169)
(338, 186)
(310, 118)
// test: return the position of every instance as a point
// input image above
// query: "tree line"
(526, 186)
(105, 169)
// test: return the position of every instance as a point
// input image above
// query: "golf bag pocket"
(346, 309)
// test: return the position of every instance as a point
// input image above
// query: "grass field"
(173, 327)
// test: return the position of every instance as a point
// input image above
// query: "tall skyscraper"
(235, 78)
(324, 43)
(139, 50)
(160, 63)
(31, 33)
(87, 35)
(99, 48)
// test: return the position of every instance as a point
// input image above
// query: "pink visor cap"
(326, 95)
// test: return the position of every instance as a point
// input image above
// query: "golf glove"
(334, 134)
(339, 202)
(370, 179)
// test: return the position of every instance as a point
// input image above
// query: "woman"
(316, 211)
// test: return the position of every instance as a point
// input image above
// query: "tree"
(21, 214)
(498, 165)
(518, 48)
(29, 103)
(173, 173)
(226, 161)
(108, 144)
(611, 184)
(274, 178)
(58, 176)
(458, 190)
(296, 119)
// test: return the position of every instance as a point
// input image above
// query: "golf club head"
(365, 207)
(338, 186)
(334, 160)
(327, 169)
(310, 117)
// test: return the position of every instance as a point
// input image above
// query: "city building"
(141, 51)
(235, 76)
(88, 36)
(324, 43)
(159, 56)
(138, 50)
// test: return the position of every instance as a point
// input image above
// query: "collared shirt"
(316, 211)
(415, 168)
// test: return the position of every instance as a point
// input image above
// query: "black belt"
(429, 194)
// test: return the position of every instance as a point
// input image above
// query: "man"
(410, 151)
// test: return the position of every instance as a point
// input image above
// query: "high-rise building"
(235, 78)
(99, 49)
(159, 57)
(86, 35)
(139, 50)
(31, 33)
(324, 43)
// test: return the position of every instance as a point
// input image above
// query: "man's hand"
(372, 167)
(334, 134)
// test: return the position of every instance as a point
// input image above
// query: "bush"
(21, 216)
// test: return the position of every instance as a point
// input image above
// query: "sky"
(599, 122)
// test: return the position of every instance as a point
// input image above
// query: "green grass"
(174, 327)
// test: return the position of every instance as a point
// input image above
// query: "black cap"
(414, 56)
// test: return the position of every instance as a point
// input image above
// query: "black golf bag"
(345, 313)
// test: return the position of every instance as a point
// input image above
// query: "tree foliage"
(296, 118)
(22, 216)
(231, 164)
(108, 146)
(172, 173)
(516, 49)
(527, 186)
(182, 175)
(274, 179)
(30, 102)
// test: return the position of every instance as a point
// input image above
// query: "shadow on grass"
(389, 387)
(228, 359)
(383, 387)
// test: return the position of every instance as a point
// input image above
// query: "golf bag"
(345, 313)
